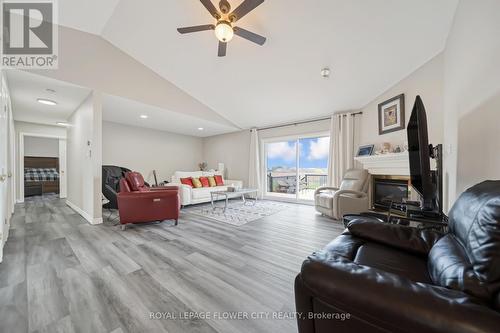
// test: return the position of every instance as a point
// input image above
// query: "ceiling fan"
(224, 27)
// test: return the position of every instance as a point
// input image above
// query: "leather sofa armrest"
(392, 301)
(404, 238)
(349, 193)
(325, 188)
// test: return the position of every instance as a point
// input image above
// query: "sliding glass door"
(296, 167)
(282, 169)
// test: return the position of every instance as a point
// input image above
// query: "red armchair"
(138, 203)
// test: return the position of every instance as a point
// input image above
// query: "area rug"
(238, 213)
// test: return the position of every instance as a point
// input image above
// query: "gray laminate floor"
(60, 274)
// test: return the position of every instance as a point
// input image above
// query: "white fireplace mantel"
(394, 164)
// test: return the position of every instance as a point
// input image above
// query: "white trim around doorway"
(20, 199)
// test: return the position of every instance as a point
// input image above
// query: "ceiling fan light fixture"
(224, 31)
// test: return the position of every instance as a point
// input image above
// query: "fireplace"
(389, 188)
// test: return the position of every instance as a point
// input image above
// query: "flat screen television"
(419, 156)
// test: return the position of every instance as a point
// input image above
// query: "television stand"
(415, 212)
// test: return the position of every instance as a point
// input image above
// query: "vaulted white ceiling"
(128, 112)
(88, 15)
(369, 45)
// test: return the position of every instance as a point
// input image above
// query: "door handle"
(9, 175)
(3, 178)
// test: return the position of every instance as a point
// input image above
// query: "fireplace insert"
(387, 191)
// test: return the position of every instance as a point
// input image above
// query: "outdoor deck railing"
(287, 184)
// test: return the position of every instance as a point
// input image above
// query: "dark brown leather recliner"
(379, 277)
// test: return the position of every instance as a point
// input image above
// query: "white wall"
(31, 128)
(144, 150)
(84, 159)
(41, 147)
(472, 96)
(233, 149)
(427, 81)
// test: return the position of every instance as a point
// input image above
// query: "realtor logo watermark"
(29, 34)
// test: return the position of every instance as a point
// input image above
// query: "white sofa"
(191, 196)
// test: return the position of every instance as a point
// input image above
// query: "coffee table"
(226, 195)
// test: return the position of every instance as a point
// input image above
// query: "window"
(296, 168)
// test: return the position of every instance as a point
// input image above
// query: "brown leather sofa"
(379, 277)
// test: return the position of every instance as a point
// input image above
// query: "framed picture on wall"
(391, 115)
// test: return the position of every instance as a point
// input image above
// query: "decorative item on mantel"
(387, 148)
(365, 150)
(203, 166)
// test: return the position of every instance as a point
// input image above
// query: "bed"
(41, 175)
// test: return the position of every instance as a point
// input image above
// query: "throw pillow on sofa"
(218, 180)
(204, 182)
(196, 183)
(187, 181)
(212, 182)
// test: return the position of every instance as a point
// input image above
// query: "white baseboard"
(85, 215)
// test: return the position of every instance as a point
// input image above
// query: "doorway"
(296, 166)
(42, 165)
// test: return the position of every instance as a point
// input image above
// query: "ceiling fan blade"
(211, 8)
(196, 28)
(253, 37)
(246, 7)
(222, 49)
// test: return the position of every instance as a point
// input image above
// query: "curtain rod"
(307, 121)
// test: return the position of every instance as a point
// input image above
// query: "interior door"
(62, 169)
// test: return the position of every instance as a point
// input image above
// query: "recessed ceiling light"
(46, 101)
(200, 128)
(62, 123)
(144, 116)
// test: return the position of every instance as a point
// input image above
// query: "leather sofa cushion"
(325, 199)
(135, 180)
(393, 261)
(414, 240)
(475, 222)
(345, 246)
(124, 186)
(354, 180)
(386, 258)
(450, 267)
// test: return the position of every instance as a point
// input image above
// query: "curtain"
(254, 180)
(344, 131)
